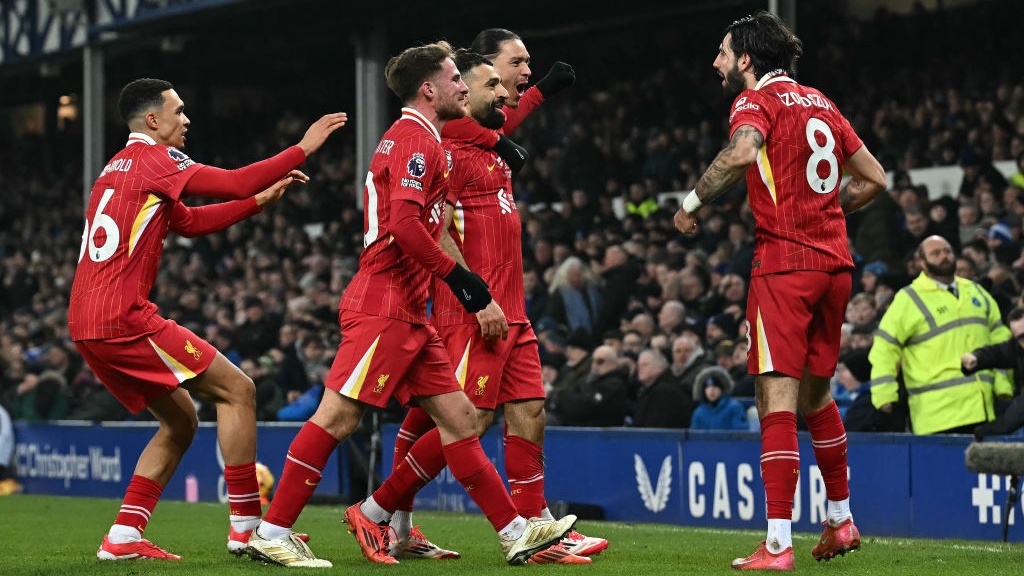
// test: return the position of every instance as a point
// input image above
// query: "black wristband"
(513, 154)
(469, 289)
(560, 77)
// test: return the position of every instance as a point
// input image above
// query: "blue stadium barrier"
(85, 459)
(901, 485)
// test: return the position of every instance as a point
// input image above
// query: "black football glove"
(469, 288)
(513, 154)
(560, 77)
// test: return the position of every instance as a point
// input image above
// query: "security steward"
(930, 324)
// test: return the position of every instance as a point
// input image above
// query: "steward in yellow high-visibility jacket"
(924, 332)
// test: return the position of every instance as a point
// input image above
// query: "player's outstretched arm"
(318, 132)
(867, 181)
(249, 180)
(725, 171)
(197, 221)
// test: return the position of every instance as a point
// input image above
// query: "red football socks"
(139, 500)
(470, 466)
(524, 465)
(423, 463)
(828, 438)
(306, 459)
(780, 462)
(243, 489)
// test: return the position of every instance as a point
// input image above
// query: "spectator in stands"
(979, 174)
(645, 325)
(720, 328)
(577, 360)
(716, 408)
(731, 291)
(970, 227)
(575, 297)
(862, 335)
(619, 274)
(936, 317)
(876, 228)
(688, 358)
(42, 397)
(258, 332)
(660, 402)
(641, 202)
(694, 292)
(599, 399)
(536, 292)
(1008, 355)
(859, 414)
(672, 318)
(861, 309)
(916, 227)
(1002, 244)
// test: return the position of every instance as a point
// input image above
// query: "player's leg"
(333, 422)
(176, 414)
(521, 395)
(520, 538)
(417, 423)
(145, 371)
(828, 435)
(777, 337)
(234, 396)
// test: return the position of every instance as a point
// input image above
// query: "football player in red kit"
(145, 360)
(792, 144)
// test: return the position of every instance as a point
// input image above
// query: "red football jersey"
(408, 164)
(487, 230)
(125, 225)
(793, 188)
(531, 99)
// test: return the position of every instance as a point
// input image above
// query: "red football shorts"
(382, 357)
(497, 371)
(136, 369)
(796, 321)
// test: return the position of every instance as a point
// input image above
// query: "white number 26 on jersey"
(819, 154)
(110, 229)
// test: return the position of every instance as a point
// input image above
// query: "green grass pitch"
(48, 535)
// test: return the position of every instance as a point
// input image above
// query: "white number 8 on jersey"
(821, 154)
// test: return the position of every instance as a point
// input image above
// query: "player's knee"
(240, 391)
(484, 419)
(183, 430)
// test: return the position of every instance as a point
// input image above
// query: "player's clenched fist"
(685, 222)
(318, 132)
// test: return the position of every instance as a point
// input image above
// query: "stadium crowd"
(631, 315)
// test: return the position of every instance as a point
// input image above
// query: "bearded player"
(792, 144)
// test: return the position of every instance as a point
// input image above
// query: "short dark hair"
(466, 60)
(488, 42)
(141, 95)
(406, 72)
(768, 42)
(1015, 314)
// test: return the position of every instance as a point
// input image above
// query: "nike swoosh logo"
(491, 167)
(308, 483)
(445, 174)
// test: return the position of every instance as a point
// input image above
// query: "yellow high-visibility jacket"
(924, 332)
